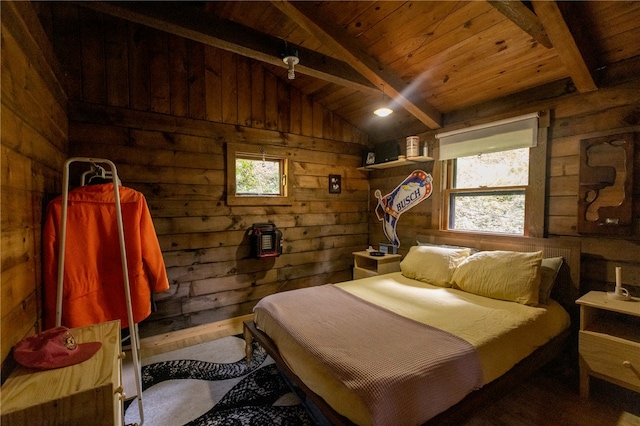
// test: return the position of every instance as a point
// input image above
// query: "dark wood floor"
(551, 399)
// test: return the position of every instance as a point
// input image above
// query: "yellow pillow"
(432, 264)
(504, 275)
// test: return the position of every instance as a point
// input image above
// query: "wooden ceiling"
(431, 57)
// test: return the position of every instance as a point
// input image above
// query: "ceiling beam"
(565, 44)
(523, 17)
(345, 47)
(198, 26)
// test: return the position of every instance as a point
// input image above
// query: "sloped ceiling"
(431, 58)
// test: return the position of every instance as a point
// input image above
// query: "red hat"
(53, 348)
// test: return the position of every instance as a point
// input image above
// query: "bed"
(464, 319)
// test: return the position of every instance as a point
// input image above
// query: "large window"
(486, 192)
(487, 179)
(258, 175)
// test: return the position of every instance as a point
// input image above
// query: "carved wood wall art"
(605, 204)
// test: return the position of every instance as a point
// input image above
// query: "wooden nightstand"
(366, 265)
(89, 393)
(609, 341)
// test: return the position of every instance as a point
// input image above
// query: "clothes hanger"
(98, 172)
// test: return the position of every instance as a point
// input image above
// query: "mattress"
(502, 332)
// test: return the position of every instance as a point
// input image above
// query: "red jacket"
(93, 282)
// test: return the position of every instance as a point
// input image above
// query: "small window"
(257, 175)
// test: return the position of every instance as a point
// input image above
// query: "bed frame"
(566, 291)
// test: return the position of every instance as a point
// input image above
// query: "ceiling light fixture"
(384, 110)
(290, 57)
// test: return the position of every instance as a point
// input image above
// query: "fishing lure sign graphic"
(414, 189)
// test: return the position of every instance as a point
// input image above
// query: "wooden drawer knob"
(122, 355)
(627, 364)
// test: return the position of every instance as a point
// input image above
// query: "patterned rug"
(211, 384)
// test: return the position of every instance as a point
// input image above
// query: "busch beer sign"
(414, 189)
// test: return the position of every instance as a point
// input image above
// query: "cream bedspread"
(502, 332)
(405, 373)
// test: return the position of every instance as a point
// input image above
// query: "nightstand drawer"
(610, 356)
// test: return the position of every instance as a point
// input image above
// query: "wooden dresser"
(89, 393)
(609, 341)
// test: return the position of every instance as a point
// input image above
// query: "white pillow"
(432, 264)
(504, 275)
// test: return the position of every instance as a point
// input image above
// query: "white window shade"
(503, 135)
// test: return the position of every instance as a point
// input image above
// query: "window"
(257, 175)
(487, 192)
(487, 175)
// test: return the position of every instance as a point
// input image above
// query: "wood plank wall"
(613, 109)
(34, 146)
(162, 108)
(609, 111)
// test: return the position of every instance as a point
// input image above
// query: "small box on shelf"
(388, 248)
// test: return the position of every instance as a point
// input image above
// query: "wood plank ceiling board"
(475, 97)
(370, 26)
(489, 59)
(321, 93)
(329, 99)
(356, 103)
(457, 36)
(413, 29)
(504, 66)
(348, 98)
(349, 11)
(614, 27)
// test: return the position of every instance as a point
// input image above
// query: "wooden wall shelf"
(396, 163)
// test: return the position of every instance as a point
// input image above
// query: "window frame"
(535, 193)
(238, 150)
